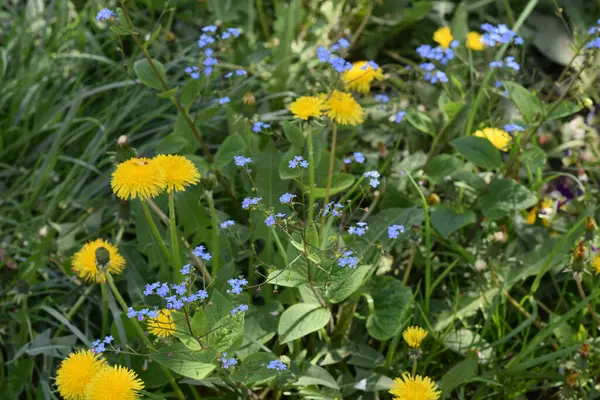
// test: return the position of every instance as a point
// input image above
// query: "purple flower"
(250, 201)
(179, 289)
(286, 198)
(239, 309)
(358, 230)
(205, 40)
(513, 127)
(241, 161)
(382, 98)
(373, 178)
(227, 224)
(223, 100)
(343, 43)
(200, 252)
(193, 72)
(236, 285)
(276, 364)
(259, 125)
(228, 362)
(186, 269)
(105, 14)
(359, 157)
(347, 260)
(395, 230)
(298, 161)
(163, 290)
(399, 117)
(333, 208)
(209, 29)
(270, 221)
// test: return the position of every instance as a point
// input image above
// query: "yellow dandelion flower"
(163, 325)
(114, 383)
(474, 41)
(84, 265)
(414, 335)
(180, 172)
(361, 75)
(342, 108)
(138, 177)
(443, 37)
(76, 371)
(414, 388)
(596, 263)
(306, 106)
(532, 215)
(499, 138)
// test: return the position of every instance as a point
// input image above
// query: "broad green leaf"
(234, 145)
(252, 371)
(447, 220)
(193, 364)
(309, 374)
(301, 319)
(534, 157)
(479, 151)
(464, 341)
(526, 101)
(442, 166)
(147, 74)
(504, 196)
(391, 301)
(225, 332)
(152, 38)
(345, 281)
(459, 24)
(172, 144)
(260, 326)
(190, 91)
(340, 182)
(459, 374)
(421, 122)
(563, 109)
(293, 132)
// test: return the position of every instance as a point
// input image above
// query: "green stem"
(75, 308)
(140, 332)
(392, 350)
(414, 367)
(104, 309)
(262, 18)
(215, 234)
(311, 177)
(331, 163)
(427, 242)
(156, 233)
(174, 238)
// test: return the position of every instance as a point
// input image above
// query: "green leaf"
(534, 157)
(459, 24)
(442, 166)
(340, 182)
(146, 74)
(309, 374)
(190, 92)
(301, 319)
(447, 220)
(564, 109)
(172, 144)
(526, 101)
(345, 281)
(479, 151)
(252, 371)
(152, 38)
(504, 196)
(391, 302)
(225, 332)
(168, 94)
(193, 364)
(260, 326)
(293, 132)
(421, 122)
(285, 172)
(459, 374)
(234, 145)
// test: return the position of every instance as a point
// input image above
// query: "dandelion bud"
(249, 99)
(590, 224)
(209, 182)
(433, 199)
(572, 379)
(102, 256)
(170, 36)
(579, 251)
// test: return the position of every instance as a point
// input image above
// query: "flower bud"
(102, 256)
(249, 99)
(433, 199)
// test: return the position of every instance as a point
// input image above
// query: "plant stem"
(215, 234)
(156, 233)
(583, 296)
(331, 164)
(75, 308)
(311, 177)
(427, 242)
(140, 331)
(104, 309)
(174, 238)
(411, 260)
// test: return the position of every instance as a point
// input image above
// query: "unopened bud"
(590, 224)
(585, 350)
(572, 379)
(170, 36)
(43, 232)
(579, 251)
(249, 99)
(433, 199)
(102, 256)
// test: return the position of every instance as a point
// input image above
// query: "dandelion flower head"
(414, 335)
(163, 325)
(499, 138)
(343, 109)
(414, 388)
(179, 171)
(138, 177)
(114, 382)
(76, 371)
(474, 41)
(84, 265)
(361, 75)
(306, 106)
(443, 37)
